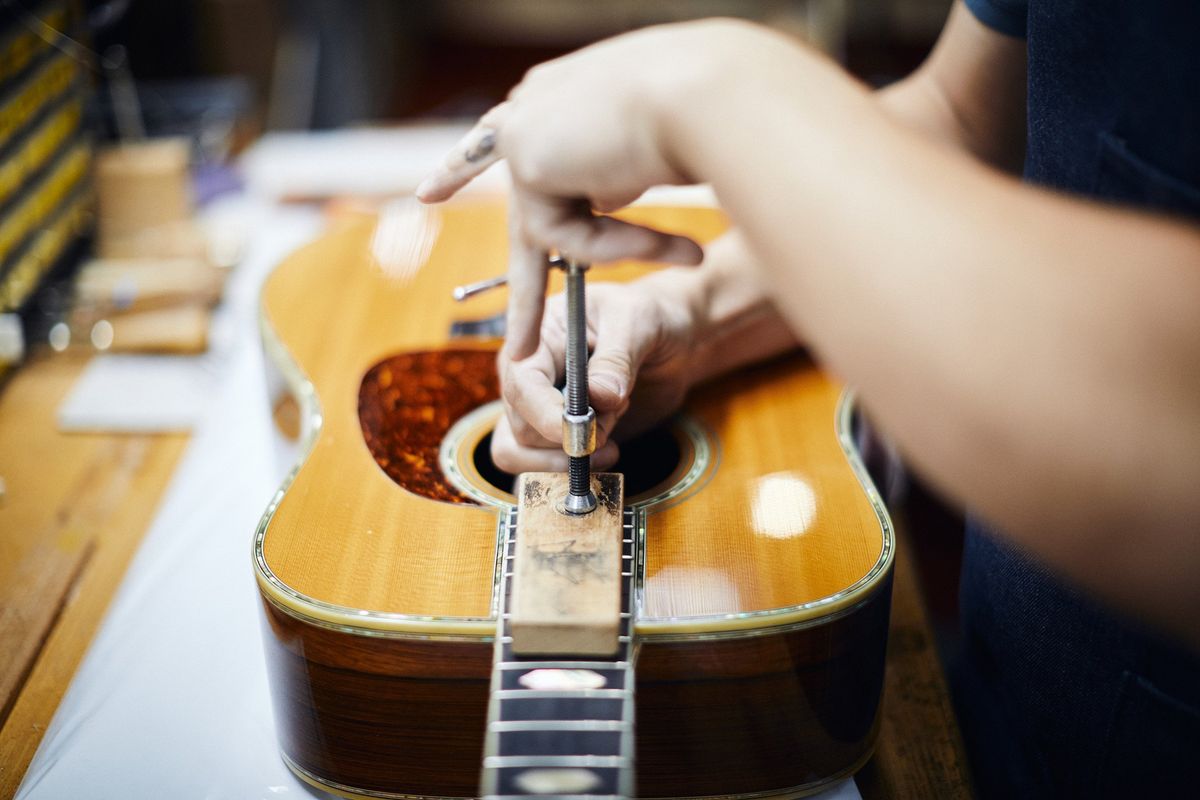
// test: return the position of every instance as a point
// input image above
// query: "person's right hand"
(585, 135)
(642, 335)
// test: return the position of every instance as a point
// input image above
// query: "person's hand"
(585, 133)
(641, 368)
(652, 340)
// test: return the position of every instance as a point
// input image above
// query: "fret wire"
(582, 725)
(623, 666)
(508, 615)
(597, 762)
(563, 694)
(507, 639)
(622, 615)
(557, 796)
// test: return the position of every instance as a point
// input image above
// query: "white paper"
(124, 393)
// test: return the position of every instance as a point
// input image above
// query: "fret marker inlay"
(562, 679)
(557, 781)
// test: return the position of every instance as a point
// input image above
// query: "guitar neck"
(561, 727)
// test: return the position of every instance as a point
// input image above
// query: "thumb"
(610, 374)
(612, 368)
(621, 346)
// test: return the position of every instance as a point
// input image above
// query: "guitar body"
(762, 573)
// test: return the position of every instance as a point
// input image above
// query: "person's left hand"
(643, 334)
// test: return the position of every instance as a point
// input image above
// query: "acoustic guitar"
(757, 555)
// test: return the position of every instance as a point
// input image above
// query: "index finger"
(527, 275)
(473, 154)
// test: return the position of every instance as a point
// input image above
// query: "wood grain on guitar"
(761, 592)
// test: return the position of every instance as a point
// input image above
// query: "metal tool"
(471, 289)
(579, 419)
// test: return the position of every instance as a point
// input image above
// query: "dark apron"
(1058, 696)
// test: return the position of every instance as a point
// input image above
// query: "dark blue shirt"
(1114, 96)
(1060, 696)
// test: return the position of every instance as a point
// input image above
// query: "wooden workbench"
(77, 506)
(74, 510)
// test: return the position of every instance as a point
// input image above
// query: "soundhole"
(648, 462)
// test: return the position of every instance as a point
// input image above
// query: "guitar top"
(760, 555)
(774, 525)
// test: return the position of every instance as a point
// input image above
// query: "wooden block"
(182, 330)
(142, 185)
(136, 284)
(567, 569)
(181, 239)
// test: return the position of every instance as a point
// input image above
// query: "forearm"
(956, 299)
(967, 96)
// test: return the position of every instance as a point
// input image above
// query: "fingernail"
(609, 383)
(425, 187)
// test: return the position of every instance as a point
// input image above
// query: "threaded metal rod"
(579, 468)
(577, 381)
(579, 475)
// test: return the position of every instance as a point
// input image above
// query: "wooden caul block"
(142, 185)
(567, 569)
(137, 284)
(182, 330)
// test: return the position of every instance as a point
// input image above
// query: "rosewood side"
(767, 713)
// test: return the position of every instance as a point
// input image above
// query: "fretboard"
(561, 728)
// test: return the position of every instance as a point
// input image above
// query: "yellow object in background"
(36, 151)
